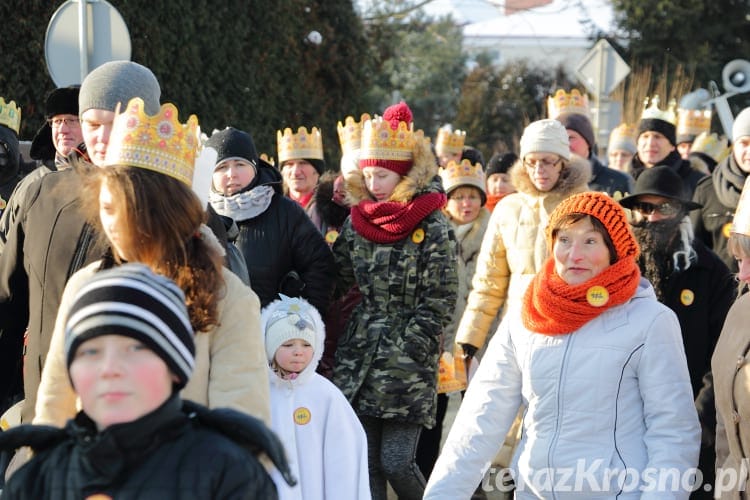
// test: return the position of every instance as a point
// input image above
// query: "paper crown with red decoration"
(389, 141)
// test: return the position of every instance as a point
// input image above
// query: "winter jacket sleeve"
(483, 419)
(238, 373)
(342, 255)
(673, 433)
(312, 260)
(490, 286)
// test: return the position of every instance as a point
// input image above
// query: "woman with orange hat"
(599, 364)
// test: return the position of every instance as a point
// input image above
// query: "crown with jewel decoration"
(691, 122)
(563, 102)
(303, 144)
(350, 133)
(159, 143)
(450, 141)
(388, 146)
(10, 115)
(464, 173)
(652, 111)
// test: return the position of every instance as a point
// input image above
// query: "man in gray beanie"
(583, 143)
(720, 192)
(110, 84)
(44, 238)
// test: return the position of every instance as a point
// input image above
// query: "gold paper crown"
(350, 133)
(159, 143)
(381, 142)
(741, 221)
(712, 145)
(562, 102)
(301, 145)
(10, 115)
(654, 112)
(623, 133)
(450, 141)
(693, 121)
(267, 159)
(462, 174)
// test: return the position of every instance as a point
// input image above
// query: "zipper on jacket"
(558, 404)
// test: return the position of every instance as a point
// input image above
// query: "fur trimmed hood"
(573, 178)
(420, 178)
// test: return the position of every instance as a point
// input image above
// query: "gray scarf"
(242, 206)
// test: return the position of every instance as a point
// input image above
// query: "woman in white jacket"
(600, 367)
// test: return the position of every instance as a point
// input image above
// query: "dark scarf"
(553, 307)
(392, 221)
(728, 179)
(660, 243)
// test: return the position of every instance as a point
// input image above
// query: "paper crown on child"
(350, 133)
(654, 112)
(563, 102)
(389, 141)
(290, 318)
(623, 138)
(463, 173)
(10, 115)
(450, 141)
(691, 123)
(299, 145)
(159, 143)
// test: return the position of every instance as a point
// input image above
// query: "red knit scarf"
(392, 221)
(552, 307)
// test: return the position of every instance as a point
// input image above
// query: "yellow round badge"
(597, 296)
(98, 496)
(3, 204)
(726, 230)
(331, 236)
(687, 297)
(301, 416)
(418, 235)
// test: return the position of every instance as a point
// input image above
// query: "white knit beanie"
(545, 136)
(741, 127)
(287, 319)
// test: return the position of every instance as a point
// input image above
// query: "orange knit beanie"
(607, 211)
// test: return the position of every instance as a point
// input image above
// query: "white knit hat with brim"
(741, 127)
(545, 136)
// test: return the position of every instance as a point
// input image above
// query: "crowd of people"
(181, 317)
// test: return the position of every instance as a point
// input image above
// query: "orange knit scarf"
(552, 307)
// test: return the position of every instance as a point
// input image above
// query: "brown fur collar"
(573, 178)
(418, 179)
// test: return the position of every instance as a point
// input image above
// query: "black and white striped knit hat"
(133, 301)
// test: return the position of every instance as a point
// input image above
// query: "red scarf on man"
(552, 307)
(392, 221)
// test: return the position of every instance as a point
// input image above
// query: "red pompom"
(398, 113)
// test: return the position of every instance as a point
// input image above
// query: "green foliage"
(245, 64)
(700, 37)
(497, 103)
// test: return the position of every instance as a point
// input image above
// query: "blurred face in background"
(96, 125)
(741, 152)
(66, 133)
(499, 185)
(653, 147)
(619, 159)
(300, 176)
(578, 144)
(464, 204)
(544, 170)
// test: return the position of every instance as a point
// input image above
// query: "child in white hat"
(325, 444)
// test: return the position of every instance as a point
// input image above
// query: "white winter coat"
(324, 441)
(614, 395)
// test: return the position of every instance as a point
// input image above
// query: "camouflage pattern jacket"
(387, 358)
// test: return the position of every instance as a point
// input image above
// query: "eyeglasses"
(543, 163)
(58, 122)
(667, 209)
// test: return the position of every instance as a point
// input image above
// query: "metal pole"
(83, 42)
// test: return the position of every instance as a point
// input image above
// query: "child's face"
(294, 355)
(119, 379)
(499, 184)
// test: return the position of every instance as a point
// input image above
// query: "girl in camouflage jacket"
(398, 248)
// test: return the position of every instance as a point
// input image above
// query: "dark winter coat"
(285, 252)
(10, 173)
(719, 194)
(172, 452)
(690, 176)
(387, 358)
(609, 180)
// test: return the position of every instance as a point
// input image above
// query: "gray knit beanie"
(118, 82)
(545, 136)
(741, 127)
(581, 124)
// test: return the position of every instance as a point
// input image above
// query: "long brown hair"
(159, 221)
